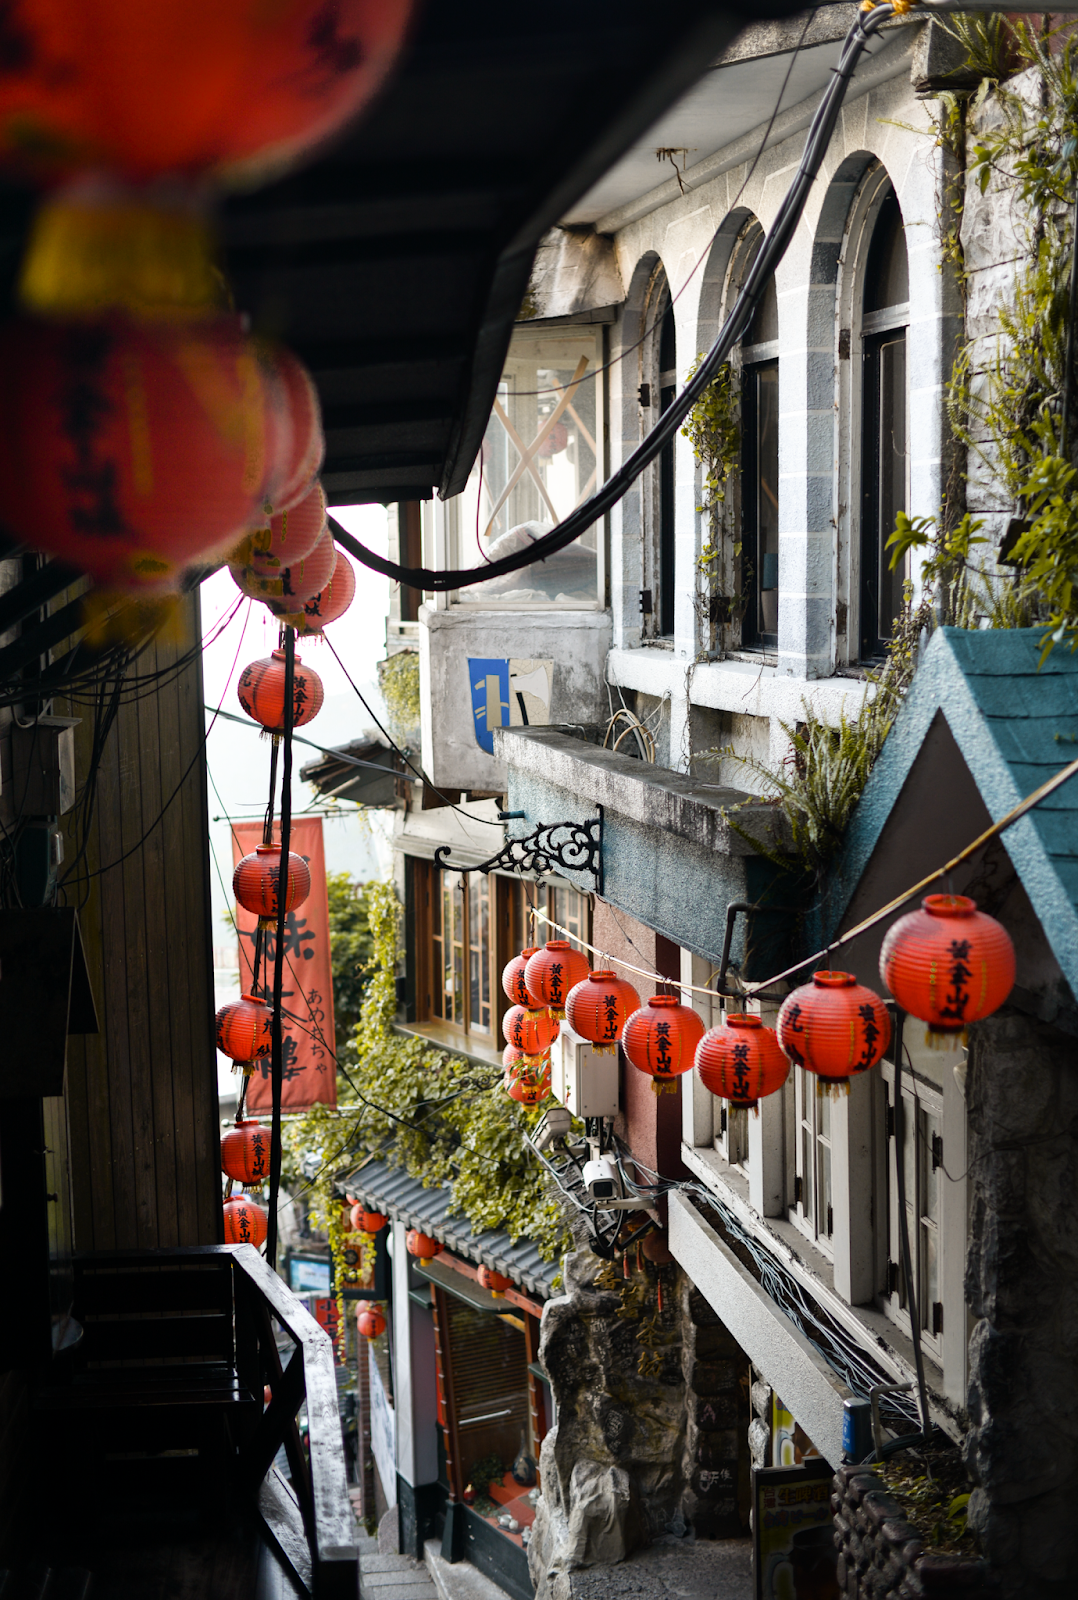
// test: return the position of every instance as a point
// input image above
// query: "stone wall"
(652, 1410)
(880, 1555)
(1022, 1287)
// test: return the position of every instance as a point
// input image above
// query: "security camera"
(556, 1124)
(602, 1181)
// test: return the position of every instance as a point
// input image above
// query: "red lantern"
(303, 579)
(371, 1222)
(245, 1223)
(529, 1086)
(422, 1246)
(245, 1029)
(332, 601)
(553, 971)
(245, 1153)
(496, 1283)
(834, 1026)
(261, 692)
(133, 448)
(287, 537)
(597, 1007)
(741, 1061)
(308, 442)
(530, 1032)
(516, 990)
(257, 877)
(217, 87)
(660, 1039)
(370, 1321)
(511, 1057)
(948, 964)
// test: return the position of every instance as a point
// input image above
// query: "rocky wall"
(1022, 1288)
(880, 1556)
(652, 1411)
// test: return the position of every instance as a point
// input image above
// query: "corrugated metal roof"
(393, 1192)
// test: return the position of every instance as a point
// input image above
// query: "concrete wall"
(576, 641)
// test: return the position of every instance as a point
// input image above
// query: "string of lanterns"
(948, 964)
(143, 426)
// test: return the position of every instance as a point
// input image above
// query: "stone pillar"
(1022, 1287)
(715, 1466)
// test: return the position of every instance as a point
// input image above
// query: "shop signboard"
(794, 1555)
(383, 1431)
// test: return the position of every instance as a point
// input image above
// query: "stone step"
(458, 1580)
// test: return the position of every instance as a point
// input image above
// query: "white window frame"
(921, 1101)
(814, 1107)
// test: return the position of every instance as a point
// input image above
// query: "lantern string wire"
(753, 989)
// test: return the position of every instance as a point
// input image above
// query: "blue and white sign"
(508, 692)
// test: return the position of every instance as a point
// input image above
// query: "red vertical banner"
(310, 1070)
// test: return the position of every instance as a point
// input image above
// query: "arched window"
(667, 391)
(760, 473)
(885, 454)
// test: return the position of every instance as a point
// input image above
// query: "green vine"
(713, 428)
(398, 679)
(443, 1118)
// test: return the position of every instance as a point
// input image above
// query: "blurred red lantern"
(261, 692)
(530, 1032)
(132, 449)
(245, 1153)
(597, 1007)
(511, 1057)
(288, 536)
(308, 441)
(256, 879)
(948, 964)
(529, 1086)
(245, 1029)
(513, 984)
(216, 87)
(496, 1283)
(367, 1221)
(245, 1223)
(741, 1061)
(661, 1038)
(834, 1026)
(332, 601)
(422, 1246)
(370, 1321)
(303, 579)
(556, 440)
(553, 971)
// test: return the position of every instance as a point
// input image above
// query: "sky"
(238, 759)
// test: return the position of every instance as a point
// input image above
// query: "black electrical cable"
(277, 1051)
(767, 259)
(326, 750)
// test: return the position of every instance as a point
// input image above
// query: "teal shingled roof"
(1016, 726)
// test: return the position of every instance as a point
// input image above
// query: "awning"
(391, 1191)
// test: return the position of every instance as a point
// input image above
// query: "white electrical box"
(582, 1077)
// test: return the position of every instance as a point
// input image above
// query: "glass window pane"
(824, 1158)
(767, 499)
(823, 1111)
(541, 456)
(892, 460)
(807, 1180)
(930, 1284)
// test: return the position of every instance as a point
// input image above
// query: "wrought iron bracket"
(551, 847)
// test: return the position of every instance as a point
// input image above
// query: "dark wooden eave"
(396, 265)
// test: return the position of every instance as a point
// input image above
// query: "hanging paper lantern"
(245, 1223)
(741, 1061)
(422, 1246)
(245, 1153)
(513, 984)
(370, 1222)
(530, 1032)
(834, 1026)
(261, 692)
(303, 579)
(308, 440)
(131, 449)
(529, 1086)
(948, 964)
(245, 1029)
(511, 1057)
(496, 1283)
(331, 602)
(661, 1038)
(286, 537)
(597, 1007)
(553, 971)
(257, 877)
(215, 87)
(370, 1321)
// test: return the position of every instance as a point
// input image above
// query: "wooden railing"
(312, 1522)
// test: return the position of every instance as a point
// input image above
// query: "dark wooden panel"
(152, 1289)
(142, 1095)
